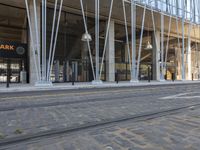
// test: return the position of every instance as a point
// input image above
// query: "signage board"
(13, 50)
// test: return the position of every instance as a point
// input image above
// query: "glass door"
(3, 70)
(16, 66)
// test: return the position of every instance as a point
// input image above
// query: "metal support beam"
(133, 42)
(97, 80)
(162, 48)
(183, 41)
(97, 37)
(140, 46)
(44, 11)
(37, 36)
(88, 44)
(52, 39)
(127, 36)
(106, 36)
(32, 40)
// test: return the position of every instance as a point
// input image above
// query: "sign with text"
(12, 50)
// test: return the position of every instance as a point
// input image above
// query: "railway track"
(83, 101)
(132, 93)
(5, 144)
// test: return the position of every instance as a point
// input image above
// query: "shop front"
(13, 60)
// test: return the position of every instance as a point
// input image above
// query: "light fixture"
(86, 37)
(149, 46)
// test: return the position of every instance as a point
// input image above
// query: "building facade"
(99, 40)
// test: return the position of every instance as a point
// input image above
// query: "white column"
(133, 41)
(32, 72)
(110, 53)
(162, 72)
(156, 56)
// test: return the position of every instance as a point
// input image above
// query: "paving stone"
(178, 129)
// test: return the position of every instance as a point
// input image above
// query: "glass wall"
(176, 7)
(13, 29)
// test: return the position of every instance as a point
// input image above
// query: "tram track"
(5, 144)
(37, 94)
(73, 102)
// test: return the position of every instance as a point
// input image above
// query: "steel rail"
(90, 100)
(7, 143)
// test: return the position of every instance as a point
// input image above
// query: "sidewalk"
(85, 85)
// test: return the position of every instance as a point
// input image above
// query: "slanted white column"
(110, 53)
(32, 71)
(156, 55)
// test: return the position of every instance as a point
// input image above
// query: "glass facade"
(75, 59)
(178, 8)
(13, 30)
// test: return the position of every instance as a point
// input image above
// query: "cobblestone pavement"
(173, 132)
(36, 112)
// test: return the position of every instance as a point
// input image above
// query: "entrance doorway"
(14, 66)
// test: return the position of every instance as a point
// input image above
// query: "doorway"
(14, 66)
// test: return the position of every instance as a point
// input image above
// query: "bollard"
(8, 74)
(73, 78)
(149, 78)
(8, 82)
(192, 77)
(173, 77)
(117, 80)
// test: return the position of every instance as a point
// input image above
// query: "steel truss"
(43, 66)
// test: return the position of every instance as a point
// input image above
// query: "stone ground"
(174, 132)
(29, 113)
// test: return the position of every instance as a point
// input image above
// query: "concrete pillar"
(156, 56)
(188, 63)
(110, 53)
(68, 71)
(126, 53)
(32, 71)
(178, 64)
(57, 70)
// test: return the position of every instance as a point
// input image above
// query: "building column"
(156, 55)
(110, 53)
(133, 41)
(57, 70)
(188, 63)
(32, 69)
(178, 64)
(126, 53)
